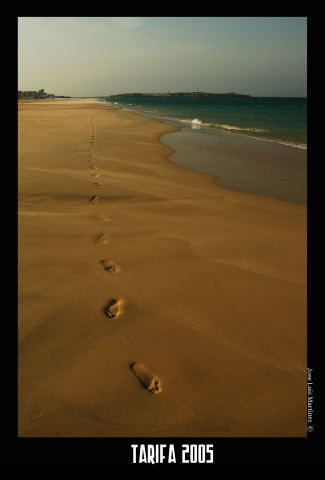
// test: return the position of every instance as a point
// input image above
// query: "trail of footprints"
(114, 306)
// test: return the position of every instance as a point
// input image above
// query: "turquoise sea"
(277, 119)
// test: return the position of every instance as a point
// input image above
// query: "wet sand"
(242, 163)
(128, 259)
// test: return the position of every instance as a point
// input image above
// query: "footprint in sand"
(102, 218)
(113, 308)
(147, 379)
(95, 175)
(93, 167)
(109, 266)
(98, 184)
(94, 198)
(101, 238)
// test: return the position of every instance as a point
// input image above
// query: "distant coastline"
(179, 94)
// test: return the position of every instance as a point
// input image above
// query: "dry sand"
(209, 287)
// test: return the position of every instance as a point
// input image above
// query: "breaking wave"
(249, 131)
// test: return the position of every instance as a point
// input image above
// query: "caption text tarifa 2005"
(163, 453)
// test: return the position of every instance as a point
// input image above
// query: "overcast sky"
(94, 56)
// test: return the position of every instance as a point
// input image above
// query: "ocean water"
(276, 119)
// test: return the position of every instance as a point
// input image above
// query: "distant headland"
(180, 94)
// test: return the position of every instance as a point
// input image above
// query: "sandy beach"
(125, 257)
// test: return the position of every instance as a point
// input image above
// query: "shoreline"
(212, 127)
(209, 283)
(236, 161)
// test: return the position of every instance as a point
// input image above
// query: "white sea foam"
(196, 121)
(184, 120)
(234, 127)
(301, 146)
(238, 131)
